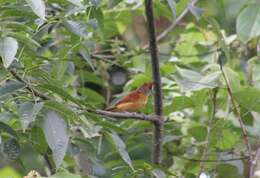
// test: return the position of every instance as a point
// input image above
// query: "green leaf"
(190, 80)
(178, 103)
(91, 95)
(248, 98)
(28, 112)
(233, 79)
(38, 7)
(6, 128)
(9, 172)
(87, 58)
(76, 2)
(8, 49)
(10, 87)
(196, 11)
(198, 132)
(38, 140)
(121, 148)
(61, 92)
(64, 175)
(55, 130)
(61, 109)
(172, 5)
(158, 173)
(12, 149)
(227, 170)
(248, 23)
(76, 27)
(227, 140)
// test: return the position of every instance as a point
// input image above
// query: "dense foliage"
(62, 58)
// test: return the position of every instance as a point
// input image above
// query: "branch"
(213, 160)
(124, 115)
(237, 113)
(28, 87)
(173, 25)
(158, 126)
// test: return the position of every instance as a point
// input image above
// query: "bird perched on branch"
(134, 101)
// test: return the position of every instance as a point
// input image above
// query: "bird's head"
(146, 88)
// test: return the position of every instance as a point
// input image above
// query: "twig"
(212, 160)
(173, 25)
(205, 152)
(28, 87)
(48, 162)
(158, 130)
(123, 115)
(237, 113)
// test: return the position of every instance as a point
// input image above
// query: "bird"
(133, 101)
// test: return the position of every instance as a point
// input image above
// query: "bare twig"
(158, 130)
(173, 25)
(28, 87)
(237, 113)
(205, 152)
(213, 160)
(124, 115)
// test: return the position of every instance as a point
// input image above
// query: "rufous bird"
(134, 101)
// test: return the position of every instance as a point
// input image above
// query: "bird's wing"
(130, 98)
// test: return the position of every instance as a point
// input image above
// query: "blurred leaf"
(91, 95)
(76, 2)
(78, 28)
(38, 7)
(198, 132)
(190, 80)
(87, 58)
(172, 5)
(10, 87)
(64, 175)
(28, 112)
(247, 24)
(55, 130)
(227, 170)
(158, 173)
(196, 11)
(227, 140)
(38, 139)
(233, 79)
(12, 149)
(8, 49)
(9, 172)
(178, 103)
(61, 109)
(121, 148)
(61, 92)
(249, 98)
(6, 128)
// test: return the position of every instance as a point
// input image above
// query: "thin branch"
(205, 152)
(124, 115)
(237, 113)
(173, 25)
(158, 105)
(28, 87)
(213, 160)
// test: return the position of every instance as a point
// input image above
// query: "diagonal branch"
(237, 113)
(158, 105)
(173, 25)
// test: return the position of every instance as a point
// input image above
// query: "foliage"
(84, 54)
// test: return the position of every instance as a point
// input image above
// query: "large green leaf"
(178, 103)
(198, 132)
(121, 148)
(38, 7)
(248, 23)
(10, 87)
(249, 98)
(28, 112)
(227, 170)
(8, 49)
(55, 130)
